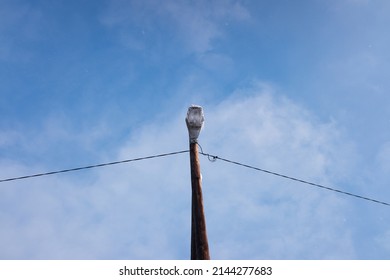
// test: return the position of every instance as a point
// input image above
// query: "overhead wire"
(213, 158)
(92, 166)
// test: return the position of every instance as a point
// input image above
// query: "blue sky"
(296, 87)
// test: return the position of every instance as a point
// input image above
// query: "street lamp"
(194, 121)
(199, 242)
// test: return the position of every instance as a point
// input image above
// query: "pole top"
(194, 121)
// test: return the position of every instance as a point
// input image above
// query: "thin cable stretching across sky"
(91, 166)
(210, 157)
(214, 158)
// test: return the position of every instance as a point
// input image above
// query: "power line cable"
(91, 166)
(213, 158)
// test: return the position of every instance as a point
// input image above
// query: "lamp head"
(194, 121)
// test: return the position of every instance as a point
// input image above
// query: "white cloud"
(201, 22)
(270, 217)
(141, 210)
(196, 24)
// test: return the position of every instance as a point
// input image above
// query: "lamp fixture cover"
(194, 121)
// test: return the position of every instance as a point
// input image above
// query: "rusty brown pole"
(199, 242)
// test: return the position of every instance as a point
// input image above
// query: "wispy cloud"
(205, 21)
(195, 24)
(272, 132)
(124, 211)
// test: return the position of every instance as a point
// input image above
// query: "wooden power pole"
(199, 242)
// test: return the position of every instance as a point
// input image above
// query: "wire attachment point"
(211, 158)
